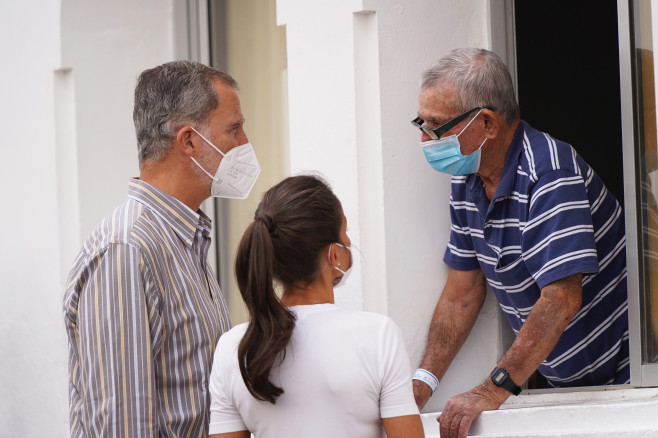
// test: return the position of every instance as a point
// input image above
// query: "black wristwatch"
(500, 377)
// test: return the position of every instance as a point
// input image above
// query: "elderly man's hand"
(422, 393)
(462, 409)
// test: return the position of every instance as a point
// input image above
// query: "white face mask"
(236, 173)
(341, 281)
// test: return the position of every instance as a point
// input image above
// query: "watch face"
(499, 376)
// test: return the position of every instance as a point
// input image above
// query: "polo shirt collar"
(177, 215)
(508, 178)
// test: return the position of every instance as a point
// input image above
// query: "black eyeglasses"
(436, 133)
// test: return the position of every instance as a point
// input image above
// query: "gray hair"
(169, 97)
(480, 78)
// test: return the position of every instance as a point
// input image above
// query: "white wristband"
(427, 377)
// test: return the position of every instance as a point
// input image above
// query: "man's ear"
(491, 123)
(187, 141)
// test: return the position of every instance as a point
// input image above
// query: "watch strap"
(500, 377)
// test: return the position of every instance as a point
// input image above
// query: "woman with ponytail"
(302, 366)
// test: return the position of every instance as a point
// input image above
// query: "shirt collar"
(507, 179)
(179, 216)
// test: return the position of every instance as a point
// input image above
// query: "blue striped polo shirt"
(551, 217)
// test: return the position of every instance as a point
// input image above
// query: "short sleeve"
(396, 396)
(558, 239)
(224, 416)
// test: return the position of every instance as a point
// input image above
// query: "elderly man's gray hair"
(169, 97)
(480, 79)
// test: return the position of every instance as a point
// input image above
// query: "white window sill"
(586, 412)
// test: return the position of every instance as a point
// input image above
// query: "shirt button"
(189, 241)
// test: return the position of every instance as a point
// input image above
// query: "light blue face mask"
(444, 154)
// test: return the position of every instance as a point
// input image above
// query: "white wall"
(32, 347)
(106, 45)
(354, 69)
(321, 105)
(66, 84)
(412, 34)
(69, 149)
(417, 221)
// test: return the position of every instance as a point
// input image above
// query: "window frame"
(642, 374)
(503, 43)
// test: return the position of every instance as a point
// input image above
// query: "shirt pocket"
(519, 285)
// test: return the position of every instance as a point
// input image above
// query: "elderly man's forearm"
(546, 322)
(453, 319)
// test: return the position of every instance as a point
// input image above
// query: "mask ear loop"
(215, 147)
(329, 256)
(349, 248)
(480, 155)
(460, 132)
(204, 170)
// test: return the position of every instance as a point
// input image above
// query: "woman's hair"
(292, 227)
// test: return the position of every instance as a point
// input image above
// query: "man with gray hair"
(533, 220)
(143, 310)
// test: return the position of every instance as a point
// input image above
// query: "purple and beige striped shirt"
(143, 314)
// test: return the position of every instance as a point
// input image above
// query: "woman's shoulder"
(232, 337)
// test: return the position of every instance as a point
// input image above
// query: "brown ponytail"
(294, 222)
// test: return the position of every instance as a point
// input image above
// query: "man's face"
(436, 107)
(225, 126)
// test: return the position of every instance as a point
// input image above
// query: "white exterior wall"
(69, 148)
(32, 346)
(106, 45)
(354, 69)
